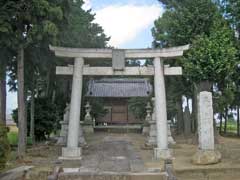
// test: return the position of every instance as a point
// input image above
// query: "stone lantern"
(148, 118)
(88, 120)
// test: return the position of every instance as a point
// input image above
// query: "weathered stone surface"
(16, 174)
(128, 71)
(205, 121)
(118, 59)
(129, 53)
(162, 153)
(88, 129)
(152, 135)
(112, 154)
(71, 153)
(115, 176)
(170, 138)
(160, 106)
(62, 139)
(206, 153)
(205, 157)
(74, 126)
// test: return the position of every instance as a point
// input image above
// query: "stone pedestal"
(62, 140)
(206, 153)
(170, 138)
(152, 134)
(88, 129)
(152, 137)
(71, 153)
(146, 125)
(205, 157)
(162, 153)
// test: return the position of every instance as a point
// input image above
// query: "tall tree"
(30, 21)
(5, 53)
(198, 22)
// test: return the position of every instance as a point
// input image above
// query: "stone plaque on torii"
(118, 57)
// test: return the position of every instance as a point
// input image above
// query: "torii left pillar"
(73, 151)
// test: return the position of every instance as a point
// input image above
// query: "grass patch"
(13, 139)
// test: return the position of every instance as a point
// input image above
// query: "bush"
(46, 118)
(13, 139)
(4, 146)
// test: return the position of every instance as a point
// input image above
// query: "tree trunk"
(238, 122)
(194, 110)
(3, 93)
(21, 104)
(221, 119)
(187, 122)
(32, 132)
(180, 122)
(225, 123)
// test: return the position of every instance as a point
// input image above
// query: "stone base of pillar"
(205, 157)
(88, 129)
(145, 130)
(162, 153)
(69, 153)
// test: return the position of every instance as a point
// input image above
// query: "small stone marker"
(118, 59)
(206, 153)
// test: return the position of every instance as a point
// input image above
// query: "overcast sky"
(127, 22)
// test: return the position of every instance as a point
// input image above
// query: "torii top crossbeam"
(129, 53)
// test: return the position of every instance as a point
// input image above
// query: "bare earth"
(125, 153)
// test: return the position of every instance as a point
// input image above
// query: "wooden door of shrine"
(119, 113)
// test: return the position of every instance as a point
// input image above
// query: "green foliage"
(213, 51)
(13, 139)
(137, 106)
(97, 108)
(81, 31)
(212, 57)
(4, 146)
(46, 118)
(183, 21)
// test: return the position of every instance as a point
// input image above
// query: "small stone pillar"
(88, 121)
(62, 140)
(162, 151)
(148, 118)
(72, 151)
(206, 153)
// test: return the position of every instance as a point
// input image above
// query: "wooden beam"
(108, 71)
(129, 53)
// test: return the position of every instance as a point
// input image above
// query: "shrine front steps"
(113, 176)
(119, 129)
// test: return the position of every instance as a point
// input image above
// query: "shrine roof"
(119, 87)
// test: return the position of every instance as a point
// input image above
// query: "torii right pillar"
(161, 151)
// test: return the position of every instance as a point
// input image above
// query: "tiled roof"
(119, 88)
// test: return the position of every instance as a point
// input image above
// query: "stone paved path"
(112, 154)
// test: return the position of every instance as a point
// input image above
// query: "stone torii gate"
(118, 56)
